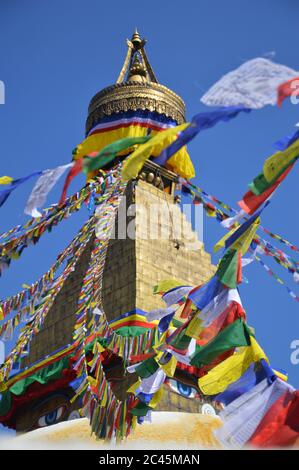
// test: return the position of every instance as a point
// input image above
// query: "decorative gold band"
(131, 96)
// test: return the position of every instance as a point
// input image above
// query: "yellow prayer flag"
(121, 348)
(91, 381)
(134, 387)
(194, 328)
(280, 375)
(231, 369)
(103, 399)
(243, 242)
(3, 386)
(166, 285)
(221, 243)
(181, 163)
(169, 367)
(274, 165)
(5, 179)
(25, 286)
(156, 398)
(135, 161)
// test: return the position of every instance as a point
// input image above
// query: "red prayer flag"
(233, 311)
(251, 202)
(74, 171)
(280, 425)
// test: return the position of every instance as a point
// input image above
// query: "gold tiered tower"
(134, 265)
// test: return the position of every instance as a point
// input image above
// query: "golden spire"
(137, 72)
(136, 49)
(136, 89)
(137, 41)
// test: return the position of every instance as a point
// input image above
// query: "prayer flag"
(250, 202)
(5, 193)
(280, 425)
(243, 415)
(234, 335)
(253, 84)
(134, 163)
(231, 369)
(42, 188)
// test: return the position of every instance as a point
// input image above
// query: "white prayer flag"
(254, 85)
(42, 188)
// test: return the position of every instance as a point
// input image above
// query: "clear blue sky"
(55, 55)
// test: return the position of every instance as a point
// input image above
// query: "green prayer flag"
(140, 409)
(147, 368)
(227, 269)
(260, 184)
(108, 153)
(181, 341)
(234, 335)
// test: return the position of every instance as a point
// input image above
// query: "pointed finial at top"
(143, 68)
(136, 40)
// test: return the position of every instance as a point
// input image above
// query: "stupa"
(135, 105)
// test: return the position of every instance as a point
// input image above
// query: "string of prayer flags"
(41, 312)
(204, 333)
(14, 184)
(241, 237)
(268, 249)
(75, 200)
(275, 165)
(251, 202)
(200, 296)
(198, 123)
(272, 274)
(254, 85)
(286, 141)
(233, 211)
(275, 169)
(109, 153)
(14, 246)
(134, 163)
(176, 295)
(24, 301)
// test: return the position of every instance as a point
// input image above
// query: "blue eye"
(183, 389)
(50, 418)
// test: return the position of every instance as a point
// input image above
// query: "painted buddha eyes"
(51, 418)
(182, 389)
